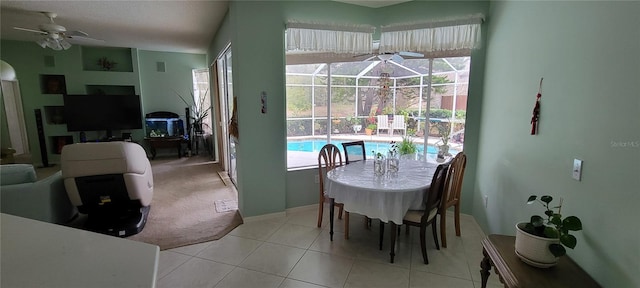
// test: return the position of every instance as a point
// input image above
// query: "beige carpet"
(187, 192)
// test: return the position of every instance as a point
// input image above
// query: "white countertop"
(40, 254)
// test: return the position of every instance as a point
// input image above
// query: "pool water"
(370, 147)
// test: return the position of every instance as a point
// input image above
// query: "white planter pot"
(534, 250)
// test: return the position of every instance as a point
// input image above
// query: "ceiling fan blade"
(76, 33)
(30, 30)
(397, 58)
(84, 39)
(410, 54)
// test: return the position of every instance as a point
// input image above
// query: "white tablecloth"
(387, 197)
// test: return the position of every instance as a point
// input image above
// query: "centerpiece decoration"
(379, 165)
(393, 160)
(540, 242)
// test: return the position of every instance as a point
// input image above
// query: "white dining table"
(387, 197)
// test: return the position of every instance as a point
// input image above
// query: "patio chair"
(383, 123)
(451, 196)
(399, 124)
(328, 159)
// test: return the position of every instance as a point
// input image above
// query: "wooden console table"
(164, 142)
(499, 251)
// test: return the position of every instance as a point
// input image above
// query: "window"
(335, 102)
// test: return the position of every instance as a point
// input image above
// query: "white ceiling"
(175, 26)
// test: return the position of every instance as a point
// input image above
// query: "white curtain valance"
(445, 35)
(340, 39)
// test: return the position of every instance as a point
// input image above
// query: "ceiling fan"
(397, 57)
(55, 36)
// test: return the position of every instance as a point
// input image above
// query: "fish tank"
(164, 124)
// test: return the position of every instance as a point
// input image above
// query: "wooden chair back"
(454, 180)
(354, 151)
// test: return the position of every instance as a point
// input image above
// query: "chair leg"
(423, 244)
(457, 218)
(443, 227)
(340, 212)
(320, 211)
(435, 233)
(381, 234)
(367, 223)
(346, 224)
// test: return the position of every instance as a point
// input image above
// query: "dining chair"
(354, 151)
(423, 218)
(358, 153)
(451, 194)
(329, 158)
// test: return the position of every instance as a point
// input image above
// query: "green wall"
(587, 53)
(160, 88)
(30, 61)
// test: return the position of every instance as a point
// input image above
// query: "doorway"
(226, 143)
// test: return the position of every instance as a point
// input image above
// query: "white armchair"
(111, 182)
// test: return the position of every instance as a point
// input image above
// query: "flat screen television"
(102, 112)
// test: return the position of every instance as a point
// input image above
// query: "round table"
(387, 197)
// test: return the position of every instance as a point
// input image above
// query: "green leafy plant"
(553, 226)
(407, 146)
(372, 126)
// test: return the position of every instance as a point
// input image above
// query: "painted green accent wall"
(160, 88)
(28, 59)
(587, 53)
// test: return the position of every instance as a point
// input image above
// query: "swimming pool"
(370, 146)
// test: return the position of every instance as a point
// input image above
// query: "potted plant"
(198, 110)
(407, 147)
(370, 128)
(540, 242)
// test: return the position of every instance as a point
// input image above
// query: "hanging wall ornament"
(536, 111)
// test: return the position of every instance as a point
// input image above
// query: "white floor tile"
(241, 277)
(292, 252)
(322, 269)
(427, 280)
(273, 259)
(230, 249)
(169, 261)
(295, 235)
(370, 274)
(290, 283)
(196, 273)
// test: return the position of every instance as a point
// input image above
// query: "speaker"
(43, 141)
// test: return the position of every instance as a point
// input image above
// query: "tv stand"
(164, 142)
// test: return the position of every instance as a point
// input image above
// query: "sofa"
(21, 194)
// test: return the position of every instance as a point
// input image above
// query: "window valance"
(330, 38)
(434, 36)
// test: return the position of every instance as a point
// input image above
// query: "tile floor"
(292, 252)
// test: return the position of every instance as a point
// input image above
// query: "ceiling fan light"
(65, 44)
(42, 42)
(385, 57)
(54, 44)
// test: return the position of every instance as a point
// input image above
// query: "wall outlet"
(317, 179)
(486, 201)
(577, 169)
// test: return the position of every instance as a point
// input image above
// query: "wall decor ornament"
(536, 111)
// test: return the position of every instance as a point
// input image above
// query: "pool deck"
(301, 160)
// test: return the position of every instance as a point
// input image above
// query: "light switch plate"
(577, 169)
